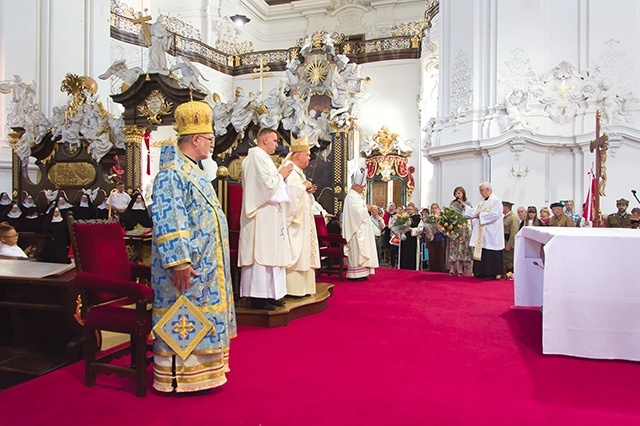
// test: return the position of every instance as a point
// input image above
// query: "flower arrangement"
(431, 226)
(450, 222)
(401, 224)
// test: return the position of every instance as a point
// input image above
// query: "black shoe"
(262, 304)
(358, 279)
(275, 302)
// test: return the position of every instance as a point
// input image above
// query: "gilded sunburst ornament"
(316, 71)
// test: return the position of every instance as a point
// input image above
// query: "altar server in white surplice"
(264, 249)
(487, 236)
(301, 277)
(357, 229)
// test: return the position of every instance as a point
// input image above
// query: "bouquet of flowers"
(451, 222)
(400, 225)
(431, 226)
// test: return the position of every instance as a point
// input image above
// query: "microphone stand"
(633, 191)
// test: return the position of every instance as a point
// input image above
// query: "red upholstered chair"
(112, 299)
(331, 250)
(230, 196)
(232, 211)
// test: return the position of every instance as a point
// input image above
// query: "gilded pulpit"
(389, 177)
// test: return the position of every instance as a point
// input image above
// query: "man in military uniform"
(620, 219)
(511, 228)
(559, 218)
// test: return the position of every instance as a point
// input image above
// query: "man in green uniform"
(620, 219)
(511, 228)
(559, 217)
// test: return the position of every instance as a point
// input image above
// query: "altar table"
(587, 282)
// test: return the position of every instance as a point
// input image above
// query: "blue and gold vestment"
(189, 226)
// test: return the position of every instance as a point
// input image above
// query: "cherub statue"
(91, 193)
(329, 45)
(190, 75)
(612, 103)
(51, 194)
(123, 72)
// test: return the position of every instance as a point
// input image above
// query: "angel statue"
(123, 72)
(23, 96)
(51, 194)
(159, 43)
(190, 75)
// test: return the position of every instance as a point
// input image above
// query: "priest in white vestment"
(487, 235)
(357, 230)
(264, 249)
(301, 275)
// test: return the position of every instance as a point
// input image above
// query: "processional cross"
(262, 74)
(599, 145)
(144, 23)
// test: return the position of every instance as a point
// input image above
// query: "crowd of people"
(423, 244)
(49, 217)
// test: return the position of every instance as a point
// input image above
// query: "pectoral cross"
(144, 23)
(563, 88)
(263, 73)
(599, 145)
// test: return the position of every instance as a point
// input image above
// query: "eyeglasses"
(204, 137)
(11, 236)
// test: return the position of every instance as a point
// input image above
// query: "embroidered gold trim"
(171, 236)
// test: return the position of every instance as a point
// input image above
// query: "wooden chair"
(331, 250)
(109, 286)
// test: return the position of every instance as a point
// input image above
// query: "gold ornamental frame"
(154, 106)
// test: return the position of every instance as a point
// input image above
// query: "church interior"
(539, 98)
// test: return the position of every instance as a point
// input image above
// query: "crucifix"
(263, 73)
(144, 23)
(563, 88)
(599, 145)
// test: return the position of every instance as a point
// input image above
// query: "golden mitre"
(300, 145)
(193, 118)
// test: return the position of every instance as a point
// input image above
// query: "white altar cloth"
(588, 282)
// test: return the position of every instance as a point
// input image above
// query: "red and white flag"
(587, 211)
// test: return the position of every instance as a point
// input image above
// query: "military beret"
(556, 205)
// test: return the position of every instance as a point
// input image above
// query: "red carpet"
(404, 348)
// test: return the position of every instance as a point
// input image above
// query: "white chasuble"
(264, 239)
(357, 229)
(303, 236)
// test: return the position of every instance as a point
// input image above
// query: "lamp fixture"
(519, 172)
(239, 20)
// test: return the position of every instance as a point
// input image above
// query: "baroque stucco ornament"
(561, 94)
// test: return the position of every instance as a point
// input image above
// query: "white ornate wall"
(519, 85)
